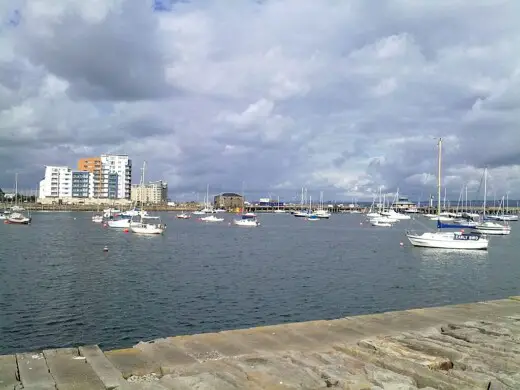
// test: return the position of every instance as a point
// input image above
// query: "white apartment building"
(57, 182)
(152, 193)
(116, 176)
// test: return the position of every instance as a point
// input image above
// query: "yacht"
(447, 240)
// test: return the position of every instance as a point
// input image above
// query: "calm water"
(58, 288)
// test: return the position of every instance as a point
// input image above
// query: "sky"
(267, 96)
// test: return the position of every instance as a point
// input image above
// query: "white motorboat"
(120, 223)
(97, 218)
(492, 228)
(149, 225)
(132, 213)
(17, 218)
(395, 215)
(2, 216)
(380, 223)
(373, 215)
(246, 221)
(447, 240)
(183, 216)
(301, 214)
(279, 211)
(211, 218)
(383, 219)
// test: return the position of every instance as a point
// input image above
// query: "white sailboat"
(447, 240)
(16, 216)
(320, 212)
(279, 210)
(490, 227)
(144, 223)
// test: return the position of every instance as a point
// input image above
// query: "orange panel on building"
(90, 164)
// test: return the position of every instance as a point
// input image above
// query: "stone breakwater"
(467, 346)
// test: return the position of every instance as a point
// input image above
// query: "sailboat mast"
(485, 192)
(439, 179)
(16, 189)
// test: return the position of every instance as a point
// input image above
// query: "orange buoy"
(125, 231)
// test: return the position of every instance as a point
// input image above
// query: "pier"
(465, 346)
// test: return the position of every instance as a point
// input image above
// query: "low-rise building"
(151, 193)
(228, 201)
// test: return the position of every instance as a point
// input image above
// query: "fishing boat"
(447, 240)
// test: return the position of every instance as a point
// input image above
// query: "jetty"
(464, 346)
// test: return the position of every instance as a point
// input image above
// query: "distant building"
(116, 176)
(82, 184)
(151, 193)
(228, 201)
(57, 183)
(404, 203)
(93, 165)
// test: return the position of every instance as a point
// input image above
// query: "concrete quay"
(466, 346)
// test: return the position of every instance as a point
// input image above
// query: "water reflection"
(450, 255)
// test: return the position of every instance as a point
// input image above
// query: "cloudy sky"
(340, 96)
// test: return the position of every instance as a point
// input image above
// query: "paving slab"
(71, 371)
(165, 354)
(33, 371)
(103, 368)
(8, 372)
(132, 361)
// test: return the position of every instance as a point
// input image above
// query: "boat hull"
(18, 222)
(147, 230)
(246, 223)
(449, 241)
(119, 224)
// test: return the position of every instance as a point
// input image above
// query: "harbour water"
(59, 288)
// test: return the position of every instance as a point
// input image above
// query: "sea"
(60, 288)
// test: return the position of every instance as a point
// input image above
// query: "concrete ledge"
(467, 346)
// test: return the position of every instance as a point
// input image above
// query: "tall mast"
(16, 189)
(485, 192)
(439, 179)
